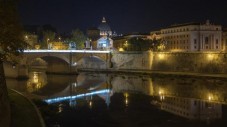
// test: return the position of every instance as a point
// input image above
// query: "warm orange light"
(121, 49)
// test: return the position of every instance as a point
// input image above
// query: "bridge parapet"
(71, 57)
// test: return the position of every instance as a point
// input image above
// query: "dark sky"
(123, 16)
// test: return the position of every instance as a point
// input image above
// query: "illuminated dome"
(104, 28)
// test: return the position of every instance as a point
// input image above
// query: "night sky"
(123, 16)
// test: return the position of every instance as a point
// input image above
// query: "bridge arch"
(32, 58)
(91, 62)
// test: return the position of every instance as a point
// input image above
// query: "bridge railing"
(66, 51)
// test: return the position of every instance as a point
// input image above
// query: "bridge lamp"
(74, 64)
(26, 36)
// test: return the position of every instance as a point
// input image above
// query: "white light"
(59, 99)
(65, 51)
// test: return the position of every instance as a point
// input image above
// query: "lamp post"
(126, 45)
(48, 46)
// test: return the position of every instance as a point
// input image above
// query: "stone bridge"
(65, 61)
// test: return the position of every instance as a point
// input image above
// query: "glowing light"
(90, 104)
(161, 94)
(65, 51)
(121, 49)
(161, 56)
(126, 98)
(210, 97)
(59, 99)
(35, 78)
(26, 37)
(210, 56)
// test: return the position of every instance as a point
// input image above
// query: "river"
(109, 100)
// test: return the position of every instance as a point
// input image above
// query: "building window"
(216, 41)
(216, 47)
(195, 41)
(216, 28)
(206, 40)
(195, 47)
(206, 47)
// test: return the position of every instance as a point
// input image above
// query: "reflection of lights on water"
(210, 97)
(161, 94)
(60, 108)
(126, 98)
(59, 99)
(126, 101)
(90, 104)
(35, 78)
(74, 84)
(35, 82)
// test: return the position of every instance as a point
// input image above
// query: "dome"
(104, 26)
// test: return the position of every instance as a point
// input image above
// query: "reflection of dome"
(104, 28)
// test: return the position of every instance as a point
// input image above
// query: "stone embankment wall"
(207, 62)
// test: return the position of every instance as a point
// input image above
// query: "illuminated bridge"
(64, 61)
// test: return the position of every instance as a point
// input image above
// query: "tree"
(11, 45)
(79, 38)
(48, 36)
(137, 44)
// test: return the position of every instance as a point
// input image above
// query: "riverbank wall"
(191, 62)
(197, 62)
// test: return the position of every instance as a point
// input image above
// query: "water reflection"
(190, 98)
(37, 80)
(192, 108)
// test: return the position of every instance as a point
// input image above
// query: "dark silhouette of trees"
(11, 45)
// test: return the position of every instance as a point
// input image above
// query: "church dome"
(104, 26)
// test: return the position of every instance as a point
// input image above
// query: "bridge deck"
(65, 51)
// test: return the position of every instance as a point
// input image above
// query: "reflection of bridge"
(66, 60)
(105, 92)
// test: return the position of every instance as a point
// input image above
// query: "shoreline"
(156, 73)
(138, 72)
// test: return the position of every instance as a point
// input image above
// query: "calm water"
(110, 100)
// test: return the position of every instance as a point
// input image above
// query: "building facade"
(104, 43)
(193, 37)
(224, 39)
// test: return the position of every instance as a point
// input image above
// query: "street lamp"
(26, 37)
(126, 44)
(48, 43)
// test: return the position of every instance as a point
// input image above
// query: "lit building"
(193, 37)
(155, 35)
(58, 46)
(104, 43)
(224, 39)
(104, 28)
(192, 108)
